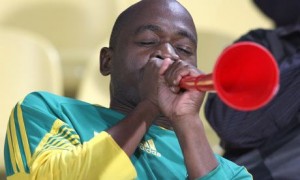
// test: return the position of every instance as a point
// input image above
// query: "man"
(267, 140)
(152, 129)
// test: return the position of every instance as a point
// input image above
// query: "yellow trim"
(54, 130)
(60, 143)
(66, 146)
(56, 125)
(18, 176)
(51, 141)
(56, 142)
(10, 146)
(68, 131)
(16, 144)
(113, 158)
(73, 137)
(23, 134)
(75, 141)
(91, 154)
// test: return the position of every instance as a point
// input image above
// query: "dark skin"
(151, 56)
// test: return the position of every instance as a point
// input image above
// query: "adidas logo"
(149, 147)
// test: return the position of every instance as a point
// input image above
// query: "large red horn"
(245, 77)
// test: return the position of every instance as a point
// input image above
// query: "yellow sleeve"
(100, 158)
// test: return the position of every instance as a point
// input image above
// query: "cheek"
(133, 59)
(135, 62)
(129, 71)
(193, 61)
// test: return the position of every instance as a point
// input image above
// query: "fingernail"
(175, 82)
(172, 89)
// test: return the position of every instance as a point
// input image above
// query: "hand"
(182, 109)
(173, 101)
(149, 81)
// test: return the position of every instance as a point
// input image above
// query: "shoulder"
(61, 106)
(44, 96)
(48, 103)
(272, 40)
(258, 35)
(40, 99)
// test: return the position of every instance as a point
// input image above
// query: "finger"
(165, 65)
(178, 70)
(152, 66)
(175, 73)
(175, 89)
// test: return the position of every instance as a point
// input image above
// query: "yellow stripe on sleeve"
(54, 130)
(15, 144)
(18, 176)
(10, 147)
(99, 158)
(23, 134)
(74, 138)
(108, 156)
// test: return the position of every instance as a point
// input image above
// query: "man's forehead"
(179, 31)
(165, 13)
(165, 6)
(171, 13)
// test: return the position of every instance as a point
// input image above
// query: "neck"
(123, 108)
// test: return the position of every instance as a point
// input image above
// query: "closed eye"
(147, 43)
(185, 50)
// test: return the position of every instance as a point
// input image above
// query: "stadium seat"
(28, 63)
(74, 27)
(94, 87)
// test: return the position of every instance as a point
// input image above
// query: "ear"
(105, 61)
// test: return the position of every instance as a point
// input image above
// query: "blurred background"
(54, 45)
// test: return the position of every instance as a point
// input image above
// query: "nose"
(165, 50)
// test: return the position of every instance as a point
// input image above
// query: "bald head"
(147, 29)
(146, 8)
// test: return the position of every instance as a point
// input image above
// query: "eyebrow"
(188, 35)
(150, 27)
(156, 28)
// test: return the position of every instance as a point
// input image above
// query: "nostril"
(159, 56)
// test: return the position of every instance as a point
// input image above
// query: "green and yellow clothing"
(54, 137)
